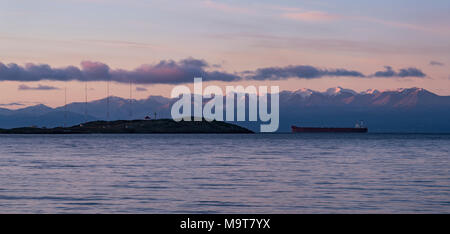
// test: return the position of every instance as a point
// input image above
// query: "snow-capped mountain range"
(400, 98)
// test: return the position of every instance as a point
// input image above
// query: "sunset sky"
(312, 44)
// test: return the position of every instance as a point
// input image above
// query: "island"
(135, 126)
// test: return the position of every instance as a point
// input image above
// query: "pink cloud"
(311, 16)
(320, 16)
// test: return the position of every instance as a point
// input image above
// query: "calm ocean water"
(271, 173)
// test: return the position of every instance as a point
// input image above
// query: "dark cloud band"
(406, 72)
(141, 89)
(302, 72)
(171, 72)
(165, 72)
(436, 63)
(39, 87)
(12, 104)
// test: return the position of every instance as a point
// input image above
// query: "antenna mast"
(107, 100)
(85, 101)
(65, 106)
(131, 100)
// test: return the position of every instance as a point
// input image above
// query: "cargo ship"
(359, 128)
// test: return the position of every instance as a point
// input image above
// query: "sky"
(49, 46)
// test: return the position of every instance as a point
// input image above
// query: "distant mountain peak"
(304, 92)
(36, 109)
(338, 90)
(40, 105)
(371, 91)
(111, 99)
(406, 90)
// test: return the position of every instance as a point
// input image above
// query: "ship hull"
(296, 129)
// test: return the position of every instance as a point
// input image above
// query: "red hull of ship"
(296, 129)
